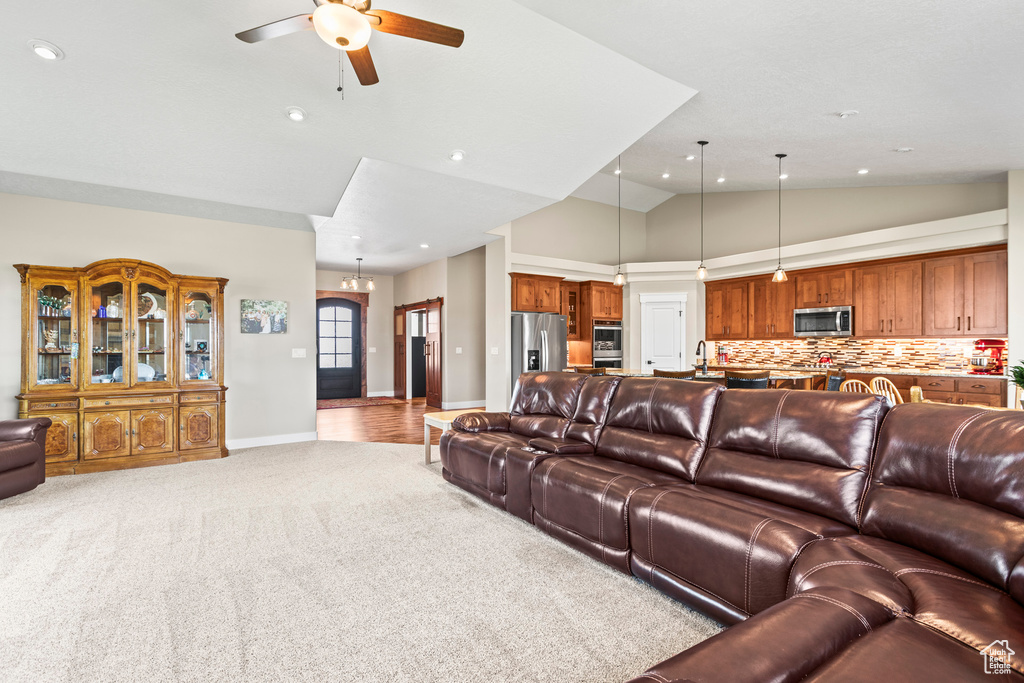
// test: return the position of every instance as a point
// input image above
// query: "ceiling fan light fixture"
(341, 27)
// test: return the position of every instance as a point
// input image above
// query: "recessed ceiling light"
(863, 171)
(45, 50)
(618, 171)
(904, 150)
(721, 180)
(690, 158)
(664, 175)
(424, 246)
(457, 155)
(783, 176)
(356, 237)
(847, 114)
(295, 114)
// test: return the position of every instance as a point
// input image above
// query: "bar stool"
(747, 379)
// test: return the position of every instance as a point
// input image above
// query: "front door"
(338, 349)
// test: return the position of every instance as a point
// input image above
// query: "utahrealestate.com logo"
(997, 657)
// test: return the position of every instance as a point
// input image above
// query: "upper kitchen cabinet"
(770, 308)
(887, 300)
(966, 295)
(726, 310)
(536, 293)
(824, 288)
(570, 300)
(602, 300)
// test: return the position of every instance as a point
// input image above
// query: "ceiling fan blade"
(362, 62)
(300, 22)
(401, 25)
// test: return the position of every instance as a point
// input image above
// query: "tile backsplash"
(895, 354)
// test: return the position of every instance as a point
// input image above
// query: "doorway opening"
(418, 344)
(339, 343)
(662, 331)
(417, 358)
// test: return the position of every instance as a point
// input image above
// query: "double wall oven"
(607, 344)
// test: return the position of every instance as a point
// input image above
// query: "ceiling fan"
(346, 24)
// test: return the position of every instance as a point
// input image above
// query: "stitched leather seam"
(655, 676)
(951, 453)
(778, 417)
(490, 458)
(650, 407)
(691, 583)
(792, 567)
(547, 485)
(650, 528)
(825, 565)
(566, 529)
(871, 466)
(838, 603)
(750, 550)
(600, 515)
(625, 511)
(921, 570)
(933, 627)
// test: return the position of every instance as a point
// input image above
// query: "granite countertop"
(797, 373)
(818, 371)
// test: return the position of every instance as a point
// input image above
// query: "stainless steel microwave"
(834, 321)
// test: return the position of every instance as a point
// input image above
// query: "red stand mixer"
(988, 356)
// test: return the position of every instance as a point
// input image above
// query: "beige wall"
(498, 287)
(271, 395)
(738, 222)
(419, 284)
(1015, 268)
(379, 342)
(464, 373)
(581, 230)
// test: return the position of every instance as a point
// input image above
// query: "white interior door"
(661, 335)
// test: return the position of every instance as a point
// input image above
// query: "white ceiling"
(158, 106)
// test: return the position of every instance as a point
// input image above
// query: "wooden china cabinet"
(127, 360)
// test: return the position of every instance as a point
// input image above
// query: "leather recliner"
(836, 559)
(22, 455)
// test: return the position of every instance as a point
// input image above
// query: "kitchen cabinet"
(966, 295)
(602, 300)
(976, 391)
(726, 312)
(535, 293)
(827, 288)
(570, 308)
(770, 308)
(887, 300)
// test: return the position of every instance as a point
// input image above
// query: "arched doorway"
(339, 343)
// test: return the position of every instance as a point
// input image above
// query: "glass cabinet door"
(198, 323)
(56, 336)
(150, 335)
(107, 333)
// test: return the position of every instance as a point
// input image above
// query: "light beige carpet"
(322, 561)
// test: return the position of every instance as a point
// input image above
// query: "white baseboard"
(461, 405)
(273, 440)
(380, 393)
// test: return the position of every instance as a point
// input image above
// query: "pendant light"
(353, 283)
(620, 279)
(702, 272)
(780, 274)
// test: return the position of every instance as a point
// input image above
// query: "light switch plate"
(298, 353)
(494, 350)
(458, 350)
(372, 349)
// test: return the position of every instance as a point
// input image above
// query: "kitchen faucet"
(702, 350)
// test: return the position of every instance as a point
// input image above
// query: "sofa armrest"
(562, 446)
(32, 429)
(481, 422)
(519, 467)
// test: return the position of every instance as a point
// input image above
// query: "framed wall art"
(261, 316)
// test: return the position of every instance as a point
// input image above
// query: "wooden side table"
(442, 421)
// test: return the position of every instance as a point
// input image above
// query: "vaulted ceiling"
(158, 105)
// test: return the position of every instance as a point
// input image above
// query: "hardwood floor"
(388, 424)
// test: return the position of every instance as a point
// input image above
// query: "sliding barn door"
(400, 353)
(432, 351)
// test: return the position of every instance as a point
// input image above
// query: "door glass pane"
(344, 330)
(343, 313)
(345, 360)
(345, 345)
(326, 329)
(151, 333)
(327, 313)
(106, 333)
(326, 360)
(326, 345)
(198, 321)
(53, 335)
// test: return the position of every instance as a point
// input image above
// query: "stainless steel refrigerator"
(538, 343)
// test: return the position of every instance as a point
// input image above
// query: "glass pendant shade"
(353, 283)
(341, 27)
(780, 275)
(702, 272)
(620, 279)
(344, 284)
(370, 286)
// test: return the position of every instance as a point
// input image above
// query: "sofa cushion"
(592, 408)
(583, 501)
(660, 424)
(949, 481)
(544, 403)
(810, 450)
(738, 549)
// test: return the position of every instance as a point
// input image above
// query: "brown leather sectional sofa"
(22, 455)
(845, 541)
